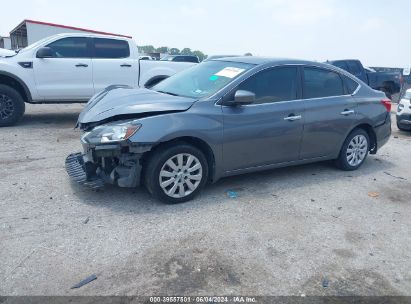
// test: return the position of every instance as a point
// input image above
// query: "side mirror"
(242, 97)
(44, 52)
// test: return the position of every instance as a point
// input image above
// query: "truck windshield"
(202, 80)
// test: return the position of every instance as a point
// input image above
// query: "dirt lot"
(289, 232)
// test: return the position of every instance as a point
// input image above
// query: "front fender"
(202, 121)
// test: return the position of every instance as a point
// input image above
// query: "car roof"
(269, 60)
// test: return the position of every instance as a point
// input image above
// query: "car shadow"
(247, 186)
(61, 116)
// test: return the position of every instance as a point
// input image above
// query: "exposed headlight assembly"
(111, 133)
(400, 107)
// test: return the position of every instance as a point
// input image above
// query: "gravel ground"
(289, 232)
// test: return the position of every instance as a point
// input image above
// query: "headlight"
(111, 133)
(400, 107)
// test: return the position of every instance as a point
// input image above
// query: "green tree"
(146, 49)
(201, 56)
(174, 51)
(186, 51)
(162, 49)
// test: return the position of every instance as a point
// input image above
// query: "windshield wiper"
(169, 93)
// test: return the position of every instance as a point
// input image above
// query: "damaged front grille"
(75, 168)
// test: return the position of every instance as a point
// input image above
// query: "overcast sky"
(376, 32)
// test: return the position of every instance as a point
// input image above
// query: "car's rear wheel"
(176, 173)
(12, 106)
(354, 150)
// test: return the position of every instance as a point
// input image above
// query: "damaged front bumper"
(107, 164)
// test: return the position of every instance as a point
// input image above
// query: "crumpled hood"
(127, 102)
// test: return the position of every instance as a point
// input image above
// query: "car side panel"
(325, 127)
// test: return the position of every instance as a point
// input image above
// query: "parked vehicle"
(387, 82)
(404, 112)
(227, 117)
(219, 57)
(147, 58)
(72, 68)
(181, 58)
(5, 52)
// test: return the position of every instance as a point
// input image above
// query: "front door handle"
(347, 112)
(126, 65)
(292, 117)
(83, 65)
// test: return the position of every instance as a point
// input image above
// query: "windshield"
(407, 95)
(202, 80)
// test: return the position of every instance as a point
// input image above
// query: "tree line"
(173, 51)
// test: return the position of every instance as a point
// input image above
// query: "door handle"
(83, 65)
(292, 117)
(347, 112)
(126, 65)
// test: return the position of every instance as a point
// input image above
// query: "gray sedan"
(226, 117)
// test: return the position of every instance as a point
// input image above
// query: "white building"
(29, 31)
(5, 42)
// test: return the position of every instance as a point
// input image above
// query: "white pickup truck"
(68, 68)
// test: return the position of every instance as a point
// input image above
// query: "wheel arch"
(191, 140)
(371, 135)
(154, 80)
(16, 83)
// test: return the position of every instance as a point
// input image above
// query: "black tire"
(12, 106)
(387, 92)
(156, 162)
(342, 160)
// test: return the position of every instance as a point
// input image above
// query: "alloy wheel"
(357, 150)
(181, 175)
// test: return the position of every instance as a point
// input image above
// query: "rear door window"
(350, 84)
(110, 48)
(321, 83)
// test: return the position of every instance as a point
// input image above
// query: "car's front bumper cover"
(404, 120)
(76, 169)
(106, 164)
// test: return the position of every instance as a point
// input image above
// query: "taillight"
(387, 104)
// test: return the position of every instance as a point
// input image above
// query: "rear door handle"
(347, 112)
(83, 65)
(292, 117)
(126, 65)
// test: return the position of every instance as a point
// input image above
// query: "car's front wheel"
(176, 174)
(354, 150)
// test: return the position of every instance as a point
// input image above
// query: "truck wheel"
(387, 92)
(12, 106)
(176, 173)
(354, 150)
